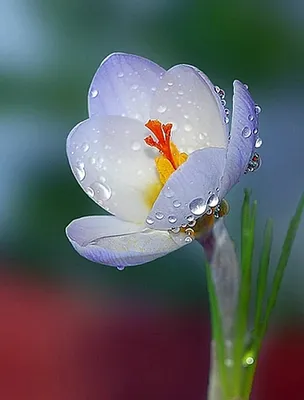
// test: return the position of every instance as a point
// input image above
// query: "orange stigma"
(162, 132)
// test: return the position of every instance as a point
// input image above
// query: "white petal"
(193, 184)
(244, 133)
(124, 85)
(113, 164)
(186, 98)
(110, 241)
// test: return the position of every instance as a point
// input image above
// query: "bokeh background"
(73, 330)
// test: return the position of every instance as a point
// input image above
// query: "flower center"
(170, 158)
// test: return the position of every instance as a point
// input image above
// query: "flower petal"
(112, 163)
(123, 85)
(186, 98)
(110, 241)
(187, 191)
(244, 133)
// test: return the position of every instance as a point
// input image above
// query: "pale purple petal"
(244, 133)
(113, 164)
(186, 98)
(110, 241)
(123, 85)
(187, 192)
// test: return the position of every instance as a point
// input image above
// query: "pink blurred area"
(58, 345)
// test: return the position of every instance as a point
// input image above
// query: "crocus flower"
(156, 152)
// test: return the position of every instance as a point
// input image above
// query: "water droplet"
(161, 108)
(168, 192)
(136, 146)
(227, 111)
(192, 224)
(120, 268)
(153, 89)
(170, 83)
(255, 131)
(90, 192)
(159, 215)
(94, 93)
(175, 230)
(190, 218)
(172, 219)
(188, 127)
(246, 86)
(134, 87)
(149, 221)
(250, 117)
(223, 102)
(102, 179)
(180, 92)
(85, 147)
(246, 132)
(258, 143)
(80, 172)
(178, 105)
(176, 203)
(120, 74)
(209, 211)
(226, 120)
(257, 109)
(102, 191)
(92, 160)
(202, 136)
(197, 206)
(213, 200)
(166, 89)
(188, 239)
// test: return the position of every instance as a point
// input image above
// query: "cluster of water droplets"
(221, 93)
(254, 163)
(197, 208)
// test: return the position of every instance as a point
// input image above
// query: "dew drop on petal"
(176, 203)
(250, 117)
(149, 221)
(134, 87)
(168, 192)
(159, 215)
(246, 132)
(90, 192)
(120, 74)
(226, 120)
(213, 200)
(197, 206)
(188, 239)
(85, 147)
(190, 218)
(80, 171)
(258, 143)
(161, 108)
(255, 131)
(120, 268)
(136, 146)
(172, 219)
(257, 109)
(94, 93)
(102, 191)
(175, 230)
(188, 127)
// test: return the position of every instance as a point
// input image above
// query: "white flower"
(156, 153)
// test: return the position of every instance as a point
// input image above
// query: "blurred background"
(74, 330)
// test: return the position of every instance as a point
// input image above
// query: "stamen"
(162, 132)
